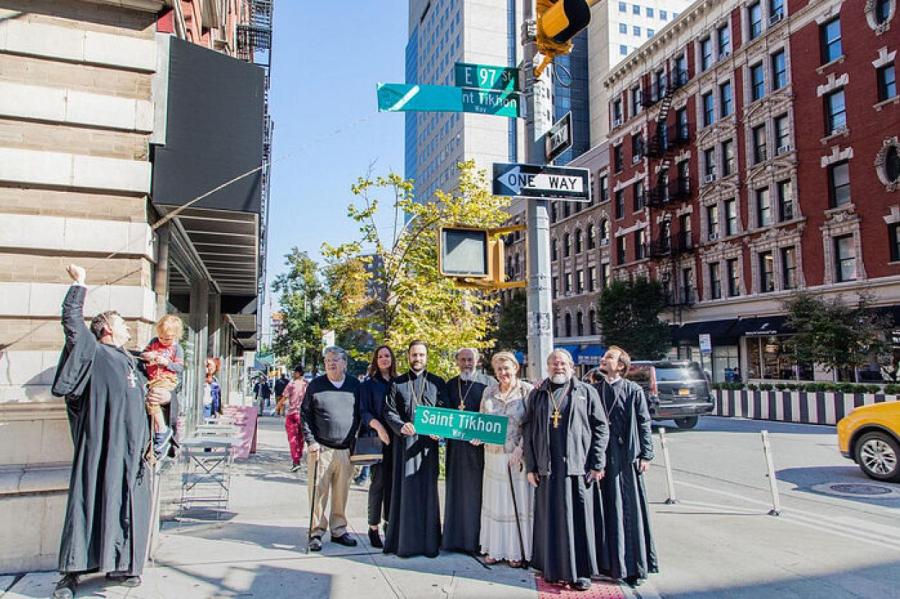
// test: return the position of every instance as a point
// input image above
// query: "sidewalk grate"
(599, 590)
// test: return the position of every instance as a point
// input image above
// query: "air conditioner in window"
(785, 149)
(709, 178)
(617, 121)
(724, 55)
(776, 18)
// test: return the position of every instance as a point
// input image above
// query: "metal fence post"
(770, 472)
(669, 482)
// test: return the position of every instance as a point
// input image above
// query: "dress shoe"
(315, 544)
(375, 539)
(345, 539)
(582, 584)
(65, 588)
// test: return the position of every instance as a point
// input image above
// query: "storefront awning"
(719, 331)
(590, 355)
(761, 326)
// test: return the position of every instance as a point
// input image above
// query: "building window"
(636, 31)
(684, 224)
(579, 281)
(712, 222)
(650, 32)
(715, 281)
(845, 258)
(766, 272)
(839, 183)
(830, 36)
(684, 177)
(882, 11)
(724, 37)
(757, 82)
(604, 232)
(555, 287)
(640, 247)
(785, 201)
(759, 144)
(604, 188)
(835, 112)
(731, 217)
(681, 69)
(789, 268)
(618, 161)
(623, 28)
(567, 245)
(887, 82)
(579, 324)
(620, 250)
(636, 9)
(620, 203)
(660, 80)
(754, 16)
(623, 7)
(592, 278)
(639, 200)
(726, 99)
(728, 159)
(763, 207)
(709, 164)
(554, 251)
(568, 325)
(891, 167)
(649, 12)
(592, 322)
(681, 123)
(591, 236)
(706, 53)
(617, 112)
(577, 241)
(776, 11)
(604, 274)
(709, 109)
(623, 50)
(782, 135)
(637, 147)
(635, 100)
(894, 241)
(553, 214)
(734, 277)
(779, 70)
(663, 15)
(568, 283)
(687, 285)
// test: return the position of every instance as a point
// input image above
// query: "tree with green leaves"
(628, 312)
(510, 332)
(839, 336)
(301, 295)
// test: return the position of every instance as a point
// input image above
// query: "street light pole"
(538, 102)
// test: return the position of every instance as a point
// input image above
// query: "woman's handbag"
(367, 451)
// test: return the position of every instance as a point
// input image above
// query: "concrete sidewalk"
(257, 549)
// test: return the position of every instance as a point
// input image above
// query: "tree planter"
(823, 407)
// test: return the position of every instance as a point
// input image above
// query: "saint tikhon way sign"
(460, 425)
(535, 181)
(403, 97)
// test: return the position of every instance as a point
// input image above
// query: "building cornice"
(153, 6)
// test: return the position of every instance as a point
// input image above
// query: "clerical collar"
(415, 374)
(612, 380)
(557, 386)
(338, 384)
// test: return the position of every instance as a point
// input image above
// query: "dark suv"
(675, 390)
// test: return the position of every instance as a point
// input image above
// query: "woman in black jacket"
(372, 392)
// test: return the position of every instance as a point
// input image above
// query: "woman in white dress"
(502, 538)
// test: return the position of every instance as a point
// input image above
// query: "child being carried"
(165, 363)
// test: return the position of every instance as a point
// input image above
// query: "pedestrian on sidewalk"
(625, 543)
(212, 391)
(281, 384)
(263, 392)
(506, 526)
(464, 460)
(107, 521)
(330, 421)
(372, 393)
(293, 394)
(565, 453)
(414, 525)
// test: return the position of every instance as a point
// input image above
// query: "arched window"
(577, 241)
(567, 210)
(592, 322)
(567, 245)
(591, 236)
(568, 325)
(554, 250)
(604, 232)
(553, 214)
(579, 324)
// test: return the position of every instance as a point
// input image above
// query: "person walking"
(281, 384)
(507, 505)
(372, 392)
(330, 420)
(212, 391)
(293, 393)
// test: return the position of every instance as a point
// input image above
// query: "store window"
(769, 358)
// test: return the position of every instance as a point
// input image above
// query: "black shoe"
(375, 539)
(634, 581)
(65, 588)
(345, 539)
(315, 544)
(295, 467)
(582, 584)
(124, 579)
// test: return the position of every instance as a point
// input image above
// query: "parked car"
(870, 436)
(675, 390)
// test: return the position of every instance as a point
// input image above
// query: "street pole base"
(774, 512)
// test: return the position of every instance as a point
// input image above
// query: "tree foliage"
(301, 294)
(510, 332)
(628, 312)
(839, 336)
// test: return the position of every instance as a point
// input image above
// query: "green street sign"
(483, 76)
(460, 426)
(403, 97)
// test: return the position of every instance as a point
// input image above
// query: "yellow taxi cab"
(870, 436)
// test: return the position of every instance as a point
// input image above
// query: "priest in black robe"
(627, 551)
(565, 437)
(414, 525)
(464, 469)
(107, 520)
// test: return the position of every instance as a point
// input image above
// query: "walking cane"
(312, 503)
(516, 512)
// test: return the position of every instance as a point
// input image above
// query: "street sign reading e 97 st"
(535, 181)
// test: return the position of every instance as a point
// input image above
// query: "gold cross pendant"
(556, 416)
(462, 406)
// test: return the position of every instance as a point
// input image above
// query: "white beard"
(466, 375)
(559, 379)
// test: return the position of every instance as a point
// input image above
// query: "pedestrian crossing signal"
(475, 258)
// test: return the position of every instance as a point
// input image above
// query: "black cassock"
(565, 505)
(628, 548)
(107, 521)
(414, 525)
(464, 471)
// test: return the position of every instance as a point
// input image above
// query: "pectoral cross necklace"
(556, 403)
(462, 398)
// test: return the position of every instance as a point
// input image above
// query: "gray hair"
(474, 351)
(336, 350)
(561, 352)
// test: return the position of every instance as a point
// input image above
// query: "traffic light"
(475, 258)
(557, 23)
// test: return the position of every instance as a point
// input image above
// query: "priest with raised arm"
(414, 525)
(565, 437)
(107, 520)
(465, 461)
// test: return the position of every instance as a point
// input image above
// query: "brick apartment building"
(754, 152)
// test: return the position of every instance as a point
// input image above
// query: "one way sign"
(534, 181)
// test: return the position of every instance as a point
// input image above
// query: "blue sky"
(327, 58)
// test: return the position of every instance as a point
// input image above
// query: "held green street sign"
(483, 76)
(460, 426)
(403, 97)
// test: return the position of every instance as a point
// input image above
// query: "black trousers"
(380, 487)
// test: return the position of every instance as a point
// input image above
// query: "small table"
(206, 478)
